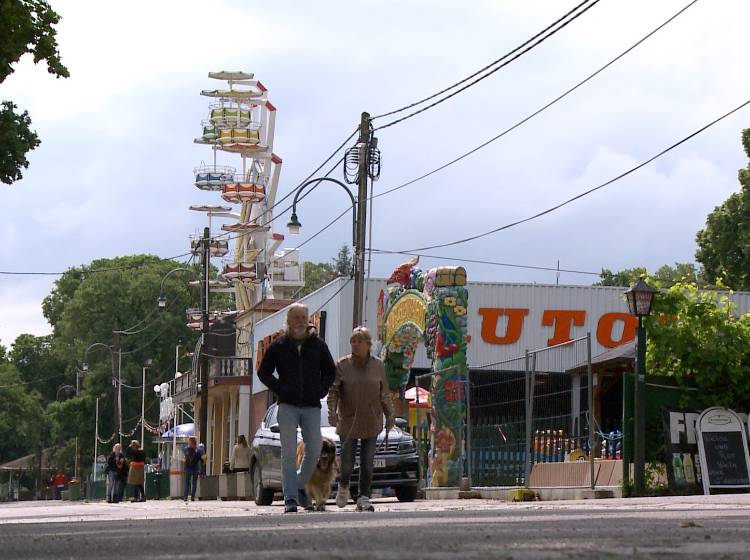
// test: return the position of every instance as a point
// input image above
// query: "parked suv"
(396, 461)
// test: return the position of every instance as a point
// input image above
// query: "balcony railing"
(230, 367)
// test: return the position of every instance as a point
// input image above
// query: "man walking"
(192, 454)
(305, 371)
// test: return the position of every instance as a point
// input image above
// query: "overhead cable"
(587, 192)
(540, 110)
(535, 41)
(479, 261)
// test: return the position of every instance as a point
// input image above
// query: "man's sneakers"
(290, 506)
(342, 496)
(364, 504)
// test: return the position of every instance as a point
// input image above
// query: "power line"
(479, 261)
(587, 192)
(329, 158)
(537, 42)
(20, 384)
(519, 123)
(490, 65)
(540, 110)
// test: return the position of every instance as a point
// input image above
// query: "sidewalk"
(678, 507)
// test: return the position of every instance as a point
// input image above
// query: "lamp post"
(640, 298)
(364, 157)
(147, 364)
(162, 302)
(357, 241)
(115, 379)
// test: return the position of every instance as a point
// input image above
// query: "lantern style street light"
(640, 299)
(357, 241)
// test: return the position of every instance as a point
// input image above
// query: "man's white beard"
(298, 333)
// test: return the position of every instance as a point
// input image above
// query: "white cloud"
(113, 174)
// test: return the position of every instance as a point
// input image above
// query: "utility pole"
(363, 146)
(203, 434)
(117, 420)
(96, 440)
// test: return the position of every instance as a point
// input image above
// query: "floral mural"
(430, 307)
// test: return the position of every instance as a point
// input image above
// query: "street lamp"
(162, 299)
(640, 299)
(147, 364)
(357, 241)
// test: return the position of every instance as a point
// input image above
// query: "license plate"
(376, 463)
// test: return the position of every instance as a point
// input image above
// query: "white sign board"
(722, 445)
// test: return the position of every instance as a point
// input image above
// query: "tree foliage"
(35, 359)
(26, 27)
(21, 416)
(724, 244)
(666, 276)
(696, 335)
(318, 275)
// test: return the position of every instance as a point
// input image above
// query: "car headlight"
(408, 446)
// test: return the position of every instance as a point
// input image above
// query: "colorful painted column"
(446, 339)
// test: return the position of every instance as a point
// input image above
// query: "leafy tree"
(342, 263)
(21, 416)
(318, 275)
(26, 27)
(38, 365)
(87, 304)
(666, 276)
(695, 335)
(724, 244)
(623, 278)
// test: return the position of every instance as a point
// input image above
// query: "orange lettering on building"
(490, 316)
(607, 323)
(563, 320)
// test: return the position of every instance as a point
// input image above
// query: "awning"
(623, 355)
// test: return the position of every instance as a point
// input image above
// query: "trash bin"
(74, 490)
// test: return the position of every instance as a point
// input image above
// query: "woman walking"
(357, 401)
(240, 459)
(113, 474)
(136, 475)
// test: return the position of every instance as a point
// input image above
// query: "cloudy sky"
(113, 175)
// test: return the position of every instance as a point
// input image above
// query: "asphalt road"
(656, 528)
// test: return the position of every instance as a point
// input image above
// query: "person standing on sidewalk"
(305, 371)
(193, 456)
(240, 459)
(137, 471)
(113, 474)
(357, 402)
(58, 483)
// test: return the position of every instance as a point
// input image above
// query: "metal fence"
(525, 414)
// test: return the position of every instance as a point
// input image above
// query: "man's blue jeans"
(191, 482)
(308, 419)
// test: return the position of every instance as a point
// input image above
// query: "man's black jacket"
(304, 376)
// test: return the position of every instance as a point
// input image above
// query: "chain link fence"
(528, 420)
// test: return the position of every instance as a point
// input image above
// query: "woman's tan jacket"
(358, 399)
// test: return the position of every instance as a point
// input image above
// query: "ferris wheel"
(241, 121)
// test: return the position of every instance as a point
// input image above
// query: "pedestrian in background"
(240, 459)
(305, 370)
(357, 401)
(192, 455)
(122, 476)
(136, 471)
(58, 483)
(113, 475)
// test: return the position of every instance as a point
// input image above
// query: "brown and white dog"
(319, 487)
